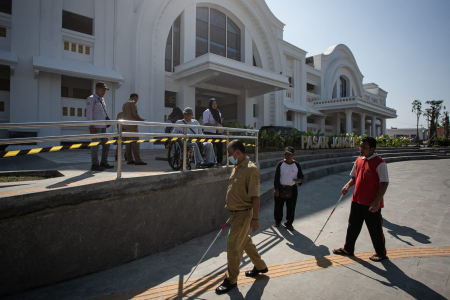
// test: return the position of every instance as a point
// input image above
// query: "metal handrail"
(120, 134)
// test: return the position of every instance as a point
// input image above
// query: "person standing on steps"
(243, 203)
(288, 174)
(371, 180)
(130, 113)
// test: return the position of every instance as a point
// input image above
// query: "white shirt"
(208, 118)
(381, 169)
(192, 122)
(94, 109)
(288, 172)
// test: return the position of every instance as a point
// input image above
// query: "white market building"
(175, 53)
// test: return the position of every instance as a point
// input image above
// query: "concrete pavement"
(417, 214)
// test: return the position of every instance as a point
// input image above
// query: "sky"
(401, 45)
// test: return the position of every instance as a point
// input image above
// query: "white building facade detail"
(175, 53)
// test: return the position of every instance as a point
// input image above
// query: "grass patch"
(20, 178)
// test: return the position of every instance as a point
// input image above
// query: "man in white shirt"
(188, 120)
(213, 117)
(96, 111)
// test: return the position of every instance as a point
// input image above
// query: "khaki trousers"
(133, 147)
(239, 241)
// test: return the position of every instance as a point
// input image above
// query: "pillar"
(322, 124)
(373, 131)
(348, 121)
(188, 34)
(248, 47)
(383, 126)
(338, 122)
(362, 124)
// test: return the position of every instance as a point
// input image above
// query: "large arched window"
(216, 33)
(343, 87)
(173, 46)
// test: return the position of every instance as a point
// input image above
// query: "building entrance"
(227, 104)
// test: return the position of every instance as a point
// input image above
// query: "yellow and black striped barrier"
(93, 144)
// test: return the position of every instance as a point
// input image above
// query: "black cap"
(289, 150)
(101, 85)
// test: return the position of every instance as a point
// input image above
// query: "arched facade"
(272, 82)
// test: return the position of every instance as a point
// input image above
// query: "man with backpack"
(287, 175)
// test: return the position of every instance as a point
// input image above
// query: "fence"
(120, 135)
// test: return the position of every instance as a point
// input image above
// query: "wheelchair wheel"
(174, 157)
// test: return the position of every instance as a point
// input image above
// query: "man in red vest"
(370, 178)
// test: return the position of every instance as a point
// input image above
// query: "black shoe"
(225, 287)
(277, 224)
(141, 163)
(201, 165)
(210, 165)
(97, 168)
(222, 163)
(106, 166)
(255, 272)
(289, 227)
(130, 163)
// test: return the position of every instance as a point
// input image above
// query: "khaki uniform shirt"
(243, 185)
(129, 110)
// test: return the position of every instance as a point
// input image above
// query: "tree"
(433, 113)
(445, 122)
(417, 109)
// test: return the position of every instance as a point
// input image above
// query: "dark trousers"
(358, 215)
(290, 207)
(219, 149)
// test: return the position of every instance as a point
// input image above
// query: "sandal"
(341, 251)
(377, 258)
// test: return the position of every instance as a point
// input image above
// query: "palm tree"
(417, 109)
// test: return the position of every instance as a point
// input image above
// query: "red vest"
(367, 181)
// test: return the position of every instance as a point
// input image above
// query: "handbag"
(106, 117)
(285, 192)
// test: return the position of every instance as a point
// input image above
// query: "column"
(303, 123)
(362, 124)
(373, 132)
(338, 123)
(348, 121)
(383, 126)
(322, 124)
(248, 47)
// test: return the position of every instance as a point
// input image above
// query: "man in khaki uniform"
(129, 110)
(243, 203)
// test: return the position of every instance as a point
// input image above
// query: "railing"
(120, 135)
(347, 99)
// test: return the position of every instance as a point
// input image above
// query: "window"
(328, 121)
(79, 112)
(77, 22)
(80, 49)
(343, 87)
(3, 31)
(74, 47)
(72, 111)
(2, 106)
(73, 87)
(289, 115)
(66, 45)
(64, 111)
(310, 120)
(87, 50)
(310, 88)
(6, 6)
(216, 33)
(173, 46)
(170, 99)
(4, 78)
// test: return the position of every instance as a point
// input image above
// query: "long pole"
(207, 250)
(325, 223)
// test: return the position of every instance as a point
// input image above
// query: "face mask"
(232, 160)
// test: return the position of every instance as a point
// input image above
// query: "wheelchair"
(175, 155)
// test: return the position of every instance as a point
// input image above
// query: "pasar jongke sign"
(325, 142)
